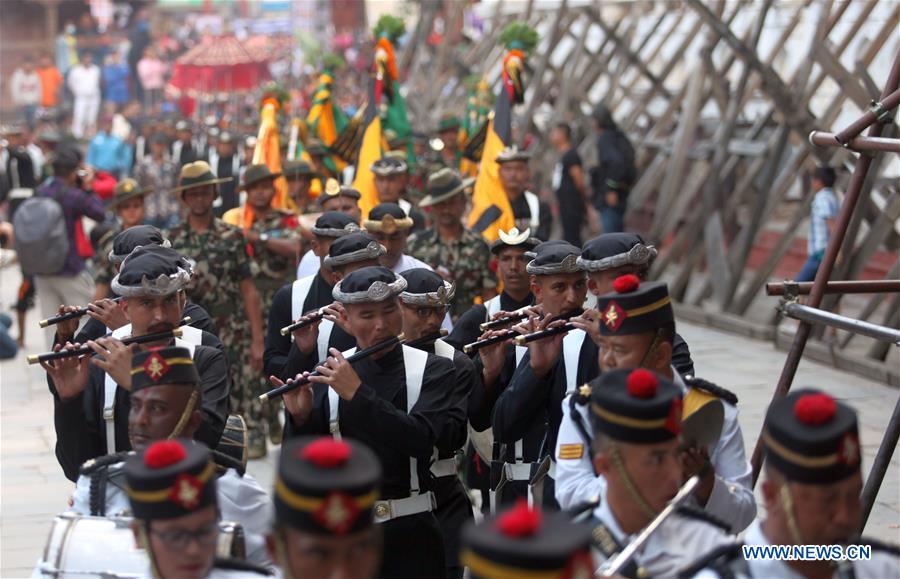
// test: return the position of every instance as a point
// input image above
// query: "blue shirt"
(825, 206)
(115, 81)
(109, 153)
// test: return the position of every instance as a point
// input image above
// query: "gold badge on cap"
(332, 187)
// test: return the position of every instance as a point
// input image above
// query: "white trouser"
(84, 114)
(55, 290)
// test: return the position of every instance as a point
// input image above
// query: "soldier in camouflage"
(459, 255)
(273, 239)
(128, 206)
(223, 278)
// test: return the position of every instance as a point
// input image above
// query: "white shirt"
(880, 566)
(731, 499)
(675, 544)
(241, 500)
(25, 88)
(309, 264)
(85, 81)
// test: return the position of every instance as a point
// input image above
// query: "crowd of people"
(411, 371)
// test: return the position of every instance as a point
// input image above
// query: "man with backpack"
(48, 229)
(615, 172)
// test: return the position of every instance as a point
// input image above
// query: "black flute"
(355, 357)
(69, 316)
(475, 346)
(504, 321)
(315, 317)
(49, 356)
(523, 339)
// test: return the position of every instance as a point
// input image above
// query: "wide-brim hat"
(442, 185)
(298, 168)
(126, 189)
(257, 173)
(197, 174)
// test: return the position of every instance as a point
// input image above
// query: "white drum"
(104, 547)
(91, 547)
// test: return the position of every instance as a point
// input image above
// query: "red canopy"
(219, 64)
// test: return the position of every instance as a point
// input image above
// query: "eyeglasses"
(179, 539)
(425, 313)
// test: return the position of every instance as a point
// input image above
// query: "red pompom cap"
(164, 453)
(642, 383)
(326, 452)
(815, 409)
(626, 283)
(519, 521)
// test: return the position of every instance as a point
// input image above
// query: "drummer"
(171, 487)
(325, 494)
(636, 330)
(165, 402)
(636, 420)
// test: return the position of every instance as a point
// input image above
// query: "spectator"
(157, 173)
(66, 52)
(25, 90)
(612, 178)
(824, 210)
(152, 75)
(84, 82)
(73, 189)
(569, 185)
(139, 39)
(8, 347)
(108, 152)
(115, 79)
(51, 82)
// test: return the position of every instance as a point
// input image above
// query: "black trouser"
(453, 510)
(572, 215)
(413, 547)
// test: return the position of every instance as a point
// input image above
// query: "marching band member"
(165, 404)
(636, 418)
(91, 395)
(325, 495)
(812, 492)
(172, 489)
(530, 408)
(636, 330)
(397, 402)
(424, 303)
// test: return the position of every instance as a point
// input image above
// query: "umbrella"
(220, 64)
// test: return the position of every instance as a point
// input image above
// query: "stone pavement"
(33, 489)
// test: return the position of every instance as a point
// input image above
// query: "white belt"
(518, 471)
(395, 508)
(444, 467)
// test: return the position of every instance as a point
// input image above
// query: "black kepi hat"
(527, 543)
(152, 270)
(170, 479)
(811, 438)
(172, 365)
(326, 487)
(426, 288)
(611, 250)
(138, 236)
(353, 248)
(553, 258)
(635, 406)
(634, 307)
(368, 284)
(334, 224)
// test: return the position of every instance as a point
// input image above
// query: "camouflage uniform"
(222, 263)
(468, 260)
(275, 271)
(104, 270)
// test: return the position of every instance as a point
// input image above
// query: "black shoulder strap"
(714, 389)
(696, 513)
(605, 542)
(98, 491)
(718, 560)
(575, 400)
(880, 546)
(240, 565)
